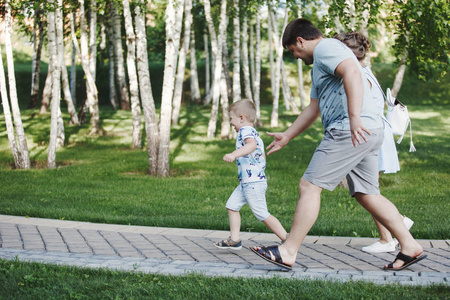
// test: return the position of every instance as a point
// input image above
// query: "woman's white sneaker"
(379, 247)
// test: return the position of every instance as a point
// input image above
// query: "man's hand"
(280, 140)
(357, 129)
(228, 157)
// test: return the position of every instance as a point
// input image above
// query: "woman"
(388, 158)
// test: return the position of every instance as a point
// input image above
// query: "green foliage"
(20, 280)
(423, 28)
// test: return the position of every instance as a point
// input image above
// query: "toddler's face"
(235, 121)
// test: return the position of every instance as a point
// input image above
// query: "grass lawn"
(100, 179)
(38, 281)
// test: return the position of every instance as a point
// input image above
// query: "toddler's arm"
(249, 147)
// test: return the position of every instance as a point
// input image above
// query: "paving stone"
(162, 251)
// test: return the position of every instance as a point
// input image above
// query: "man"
(353, 134)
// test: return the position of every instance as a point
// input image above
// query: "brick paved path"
(180, 251)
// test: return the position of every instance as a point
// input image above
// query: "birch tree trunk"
(90, 82)
(257, 78)
(271, 60)
(182, 62)
(195, 87)
(73, 69)
(7, 112)
(172, 34)
(21, 140)
(85, 60)
(56, 75)
(64, 77)
(236, 53)
(112, 61)
(224, 102)
(207, 71)
(401, 71)
(216, 42)
(46, 93)
(300, 70)
(245, 63)
(132, 76)
(123, 90)
(279, 55)
(287, 90)
(37, 50)
(252, 55)
(148, 104)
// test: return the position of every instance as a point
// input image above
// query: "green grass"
(39, 281)
(100, 179)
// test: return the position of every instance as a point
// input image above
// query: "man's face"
(299, 52)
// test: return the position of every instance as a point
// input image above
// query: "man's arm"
(354, 89)
(303, 121)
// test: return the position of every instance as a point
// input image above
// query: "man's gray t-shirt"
(329, 89)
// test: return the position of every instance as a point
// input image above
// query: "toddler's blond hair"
(245, 108)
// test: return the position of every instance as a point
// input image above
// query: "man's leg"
(386, 212)
(305, 216)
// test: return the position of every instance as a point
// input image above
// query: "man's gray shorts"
(336, 157)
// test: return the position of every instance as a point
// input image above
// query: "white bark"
(279, 55)
(56, 75)
(123, 90)
(37, 50)
(287, 90)
(252, 54)
(46, 93)
(236, 53)
(216, 44)
(207, 69)
(21, 140)
(245, 63)
(73, 69)
(271, 60)
(195, 87)
(112, 64)
(132, 76)
(182, 62)
(224, 102)
(7, 113)
(300, 70)
(401, 71)
(257, 78)
(172, 34)
(90, 82)
(148, 104)
(93, 38)
(64, 76)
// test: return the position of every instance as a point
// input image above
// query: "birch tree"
(132, 76)
(195, 87)
(257, 79)
(73, 67)
(38, 40)
(216, 45)
(245, 62)
(182, 62)
(64, 76)
(148, 104)
(279, 54)
(24, 161)
(207, 70)
(56, 75)
(113, 97)
(123, 90)
(172, 34)
(236, 53)
(8, 120)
